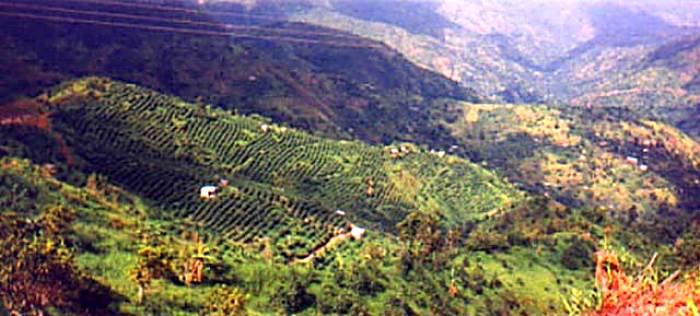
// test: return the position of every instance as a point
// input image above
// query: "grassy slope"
(142, 126)
(112, 228)
(434, 260)
(579, 155)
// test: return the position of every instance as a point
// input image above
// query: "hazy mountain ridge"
(657, 82)
(595, 53)
(418, 17)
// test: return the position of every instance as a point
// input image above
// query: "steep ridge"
(329, 85)
(555, 52)
(657, 82)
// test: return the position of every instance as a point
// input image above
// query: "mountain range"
(320, 157)
(592, 53)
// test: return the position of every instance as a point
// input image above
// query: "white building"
(208, 192)
(356, 232)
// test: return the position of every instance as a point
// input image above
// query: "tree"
(37, 270)
(422, 235)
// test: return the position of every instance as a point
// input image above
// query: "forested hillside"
(111, 200)
(332, 84)
(316, 157)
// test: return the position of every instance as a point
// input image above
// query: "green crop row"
(283, 183)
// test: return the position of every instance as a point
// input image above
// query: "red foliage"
(624, 296)
(27, 112)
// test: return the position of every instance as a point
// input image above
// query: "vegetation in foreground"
(74, 222)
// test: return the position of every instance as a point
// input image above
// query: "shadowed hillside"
(330, 85)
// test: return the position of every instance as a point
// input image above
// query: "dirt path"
(332, 243)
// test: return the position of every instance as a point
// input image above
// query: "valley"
(348, 157)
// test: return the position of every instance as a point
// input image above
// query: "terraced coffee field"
(273, 181)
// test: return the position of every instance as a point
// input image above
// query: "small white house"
(207, 192)
(440, 153)
(356, 232)
(643, 167)
(632, 160)
(340, 212)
